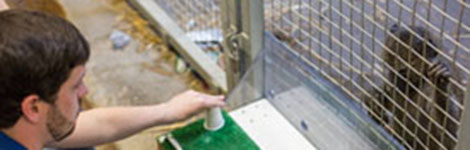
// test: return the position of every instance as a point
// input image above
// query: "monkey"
(413, 70)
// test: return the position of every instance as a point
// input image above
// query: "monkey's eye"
(394, 28)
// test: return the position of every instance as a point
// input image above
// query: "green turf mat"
(195, 137)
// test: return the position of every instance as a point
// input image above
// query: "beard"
(58, 125)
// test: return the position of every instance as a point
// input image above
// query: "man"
(42, 60)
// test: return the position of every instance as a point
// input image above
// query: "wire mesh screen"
(317, 108)
(310, 103)
(200, 20)
(405, 62)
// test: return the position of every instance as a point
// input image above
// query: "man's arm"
(103, 125)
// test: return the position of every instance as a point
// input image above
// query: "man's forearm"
(103, 125)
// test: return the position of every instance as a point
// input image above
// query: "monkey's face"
(410, 53)
(416, 48)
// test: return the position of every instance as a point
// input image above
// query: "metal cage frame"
(345, 41)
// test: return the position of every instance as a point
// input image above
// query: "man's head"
(42, 60)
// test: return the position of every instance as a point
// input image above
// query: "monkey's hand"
(439, 74)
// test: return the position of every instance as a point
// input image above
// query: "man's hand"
(189, 103)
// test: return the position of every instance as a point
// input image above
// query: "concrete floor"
(123, 77)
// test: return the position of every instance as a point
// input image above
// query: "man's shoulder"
(7, 143)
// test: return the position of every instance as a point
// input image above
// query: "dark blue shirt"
(7, 143)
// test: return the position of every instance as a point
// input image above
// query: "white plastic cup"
(214, 119)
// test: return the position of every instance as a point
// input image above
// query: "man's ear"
(31, 108)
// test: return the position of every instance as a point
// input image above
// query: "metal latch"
(234, 41)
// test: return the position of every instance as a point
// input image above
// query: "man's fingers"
(213, 101)
(210, 100)
(217, 104)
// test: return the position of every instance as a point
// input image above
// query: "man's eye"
(76, 86)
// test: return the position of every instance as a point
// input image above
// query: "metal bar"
(252, 18)
(229, 26)
(243, 23)
(158, 18)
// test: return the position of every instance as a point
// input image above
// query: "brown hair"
(37, 53)
(52, 7)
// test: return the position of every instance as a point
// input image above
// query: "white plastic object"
(214, 119)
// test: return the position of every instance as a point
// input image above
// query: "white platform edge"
(268, 128)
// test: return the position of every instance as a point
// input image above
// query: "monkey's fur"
(401, 103)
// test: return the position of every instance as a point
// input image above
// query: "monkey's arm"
(450, 109)
(439, 75)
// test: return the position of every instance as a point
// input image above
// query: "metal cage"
(405, 63)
